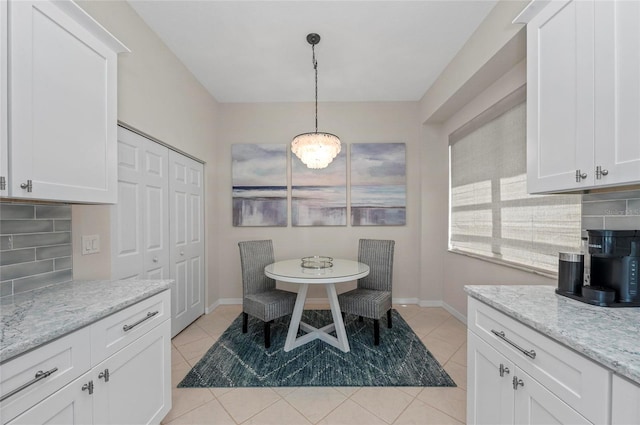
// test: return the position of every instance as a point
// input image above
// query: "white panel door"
(560, 104)
(140, 220)
(187, 240)
(138, 390)
(70, 405)
(4, 133)
(489, 375)
(617, 91)
(536, 405)
(63, 107)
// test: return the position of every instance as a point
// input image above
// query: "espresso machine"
(614, 257)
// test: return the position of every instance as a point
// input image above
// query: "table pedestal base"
(341, 342)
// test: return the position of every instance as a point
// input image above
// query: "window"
(491, 215)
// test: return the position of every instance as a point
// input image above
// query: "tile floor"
(442, 334)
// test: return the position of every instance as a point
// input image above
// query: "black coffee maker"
(615, 264)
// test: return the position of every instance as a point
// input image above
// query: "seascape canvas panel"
(378, 184)
(259, 180)
(319, 197)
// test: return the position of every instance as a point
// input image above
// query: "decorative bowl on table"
(317, 262)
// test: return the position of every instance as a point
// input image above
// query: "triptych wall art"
(319, 197)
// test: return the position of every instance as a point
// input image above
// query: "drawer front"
(578, 381)
(43, 371)
(122, 328)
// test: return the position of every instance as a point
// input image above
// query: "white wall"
(353, 123)
(159, 96)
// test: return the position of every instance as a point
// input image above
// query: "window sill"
(539, 272)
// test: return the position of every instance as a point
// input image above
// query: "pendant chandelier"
(315, 150)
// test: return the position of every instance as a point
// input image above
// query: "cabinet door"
(187, 240)
(4, 132)
(560, 104)
(69, 406)
(140, 220)
(617, 91)
(138, 387)
(625, 399)
(536, 405)
(62, 107)
(489, 391)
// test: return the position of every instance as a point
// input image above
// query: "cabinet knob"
(503, 370)
(580, 176)
(104, 375)
(600, 172)
(3, 183)
(28, 186)
(517, 382)
(155, 259)
(88, 387)
(181, 252)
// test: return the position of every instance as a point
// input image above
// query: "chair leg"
(389, 318)
(245, 319)
(360, 319)
(267, 334)
(376, 332)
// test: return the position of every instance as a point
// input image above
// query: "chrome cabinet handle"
(40, 375)
(517, 382)
(3, 183)
(600, 172)
(133, 325)
(500, 334)
(88, 387)
(580, 176)
(503, 370)
(104, 375)
(28, 185)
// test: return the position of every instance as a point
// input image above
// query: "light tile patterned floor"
(442, 333)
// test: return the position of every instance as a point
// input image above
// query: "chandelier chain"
(315, 67)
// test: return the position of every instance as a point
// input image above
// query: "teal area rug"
(240, 360)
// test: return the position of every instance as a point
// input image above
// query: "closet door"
(140, 219)
(187, 240)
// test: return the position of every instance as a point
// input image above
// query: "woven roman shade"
(491, 214)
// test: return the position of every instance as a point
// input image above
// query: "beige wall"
(459, 270)
(353, 123)
(159, 96)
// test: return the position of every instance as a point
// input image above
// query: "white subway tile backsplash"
(35, 240)
(611, 210)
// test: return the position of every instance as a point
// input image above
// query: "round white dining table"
(292, 271)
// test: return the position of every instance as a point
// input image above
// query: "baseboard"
(422, 303)
(455, 313)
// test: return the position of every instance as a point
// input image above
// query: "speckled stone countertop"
(33, 318)
(610, 336)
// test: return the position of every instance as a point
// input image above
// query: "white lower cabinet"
(128, 380)
(625, 399)
(516, 375)
(71, 405)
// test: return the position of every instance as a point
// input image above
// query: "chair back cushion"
(378, 255)
(254, 256)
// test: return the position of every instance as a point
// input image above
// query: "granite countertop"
(610, 336)
(33, 318)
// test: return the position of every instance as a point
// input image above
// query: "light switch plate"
(90, 244)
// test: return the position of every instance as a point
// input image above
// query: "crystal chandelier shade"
(316, 150)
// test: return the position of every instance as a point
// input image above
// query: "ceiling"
(256, 51)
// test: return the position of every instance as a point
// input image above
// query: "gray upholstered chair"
(372, 297)
(260, 298)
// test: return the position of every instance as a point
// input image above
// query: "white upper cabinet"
(583, 94)
(62, 79)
